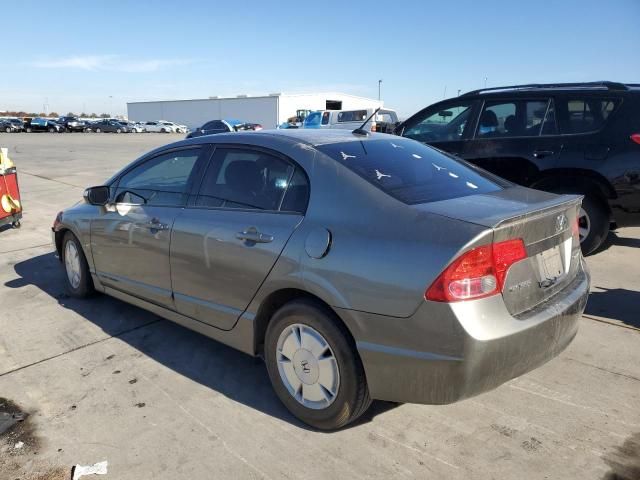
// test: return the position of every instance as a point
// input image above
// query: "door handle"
(253, 235)
(155, 224)
(543, 153)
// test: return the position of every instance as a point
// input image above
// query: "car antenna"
(360, 130)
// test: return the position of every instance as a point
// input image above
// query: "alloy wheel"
(584, 224)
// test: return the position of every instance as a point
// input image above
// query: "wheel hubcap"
(307, 366)
(72, 264)
(584, 224)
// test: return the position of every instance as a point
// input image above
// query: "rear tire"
(77, 276)
(346, 396)
(98, 130)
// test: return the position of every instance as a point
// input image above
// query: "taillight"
(575, 230)
(478, 273)
(635, 137)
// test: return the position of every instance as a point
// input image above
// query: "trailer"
(10, 205)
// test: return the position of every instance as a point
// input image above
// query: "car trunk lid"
(543, 221)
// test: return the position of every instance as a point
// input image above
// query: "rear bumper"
(466, 353)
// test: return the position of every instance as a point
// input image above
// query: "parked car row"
(74, 124)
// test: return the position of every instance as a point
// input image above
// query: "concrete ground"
(102, 380)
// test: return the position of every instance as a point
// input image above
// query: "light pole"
(110, 104)
(485, 82)
(379, 86)
(458, 92)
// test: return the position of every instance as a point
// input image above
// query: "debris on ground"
(99, 468)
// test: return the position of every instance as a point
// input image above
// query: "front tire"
(98, 130)
(77, 276)
(314, 366)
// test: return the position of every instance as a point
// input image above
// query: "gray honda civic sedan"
(358, 266)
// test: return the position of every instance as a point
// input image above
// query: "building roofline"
(272, 95)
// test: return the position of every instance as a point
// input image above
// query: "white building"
(269, 110)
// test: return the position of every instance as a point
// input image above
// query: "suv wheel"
(52, 130)
(593, 224)
(119, 130)
(98, 130)
(314, 367)
(593, 221)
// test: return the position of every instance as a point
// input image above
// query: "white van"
(383, 121)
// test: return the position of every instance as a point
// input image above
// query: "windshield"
(313, 120)
(410, 171)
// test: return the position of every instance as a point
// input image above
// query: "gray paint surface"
(384, 254)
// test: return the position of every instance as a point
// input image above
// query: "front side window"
(326, 116)
(588, 114)
(313, 120)
(159, 181)
(246, 179)
(410, 171)
(444, 125)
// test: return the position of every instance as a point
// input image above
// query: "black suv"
(579, 138)
(72, 124)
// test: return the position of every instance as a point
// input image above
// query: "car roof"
(310, 136)
(600, 86)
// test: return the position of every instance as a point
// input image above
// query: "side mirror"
(97, 195)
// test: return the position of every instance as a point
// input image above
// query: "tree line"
(52, 114)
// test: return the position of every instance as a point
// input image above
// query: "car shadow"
(615, 303)
(614, 239)
(229, 372)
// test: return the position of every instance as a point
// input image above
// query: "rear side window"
(352, 116)
(215, 125)
(516, 118)
(248, 179)
(410, 171)
(588, 114)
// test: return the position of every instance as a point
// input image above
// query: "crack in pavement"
(608, 322)
(631, 377)
(80, 347)
(48, 244)
(22, 172)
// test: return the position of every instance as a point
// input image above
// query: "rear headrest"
(510, 124)
(488, 119)
(243, 175)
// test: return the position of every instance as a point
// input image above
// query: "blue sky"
(96, 56)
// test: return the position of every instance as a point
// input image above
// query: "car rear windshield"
(410, 171)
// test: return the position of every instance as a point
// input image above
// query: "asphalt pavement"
(94, 380)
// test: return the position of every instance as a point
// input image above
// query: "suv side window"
(325, 118)
(161, 180)
(444, 125)
(215, 125)
(516, 118)
(587, 114)
(249, 179)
